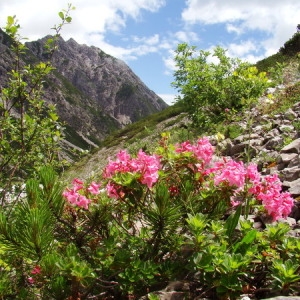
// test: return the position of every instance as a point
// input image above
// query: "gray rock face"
(94, 93)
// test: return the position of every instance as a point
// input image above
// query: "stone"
(295, 187)
(293, 147)
(274, 142)
(290, 114)
(284, 159)
(290, 174)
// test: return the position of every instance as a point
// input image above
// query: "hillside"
(146, 133)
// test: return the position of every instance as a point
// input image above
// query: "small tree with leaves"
(29, 129)
(208, 88)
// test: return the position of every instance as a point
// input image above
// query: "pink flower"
(77, 181)
(232, 173)
(83, 202)
(94, 188)
(77, 184)
(276, 203)
(111, 190)
(203, 150)
(146, 166)
(122, 164)
(70, 195)
(252, 173)
(36, 270)
(30, 280)
(185, 147)
(74, 197)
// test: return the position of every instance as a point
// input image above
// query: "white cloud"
(186, 36)
(234, 28)
(91, 21)
(242, 49)
(37, 17)
(275, 18)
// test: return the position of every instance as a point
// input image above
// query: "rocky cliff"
(94, 92)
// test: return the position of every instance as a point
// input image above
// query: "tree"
(208, 88)
(29, 128)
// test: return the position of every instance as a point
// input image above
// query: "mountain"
(94, 93)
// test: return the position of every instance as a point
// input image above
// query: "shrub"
(29, 129)
(208, 88)
(125, 234)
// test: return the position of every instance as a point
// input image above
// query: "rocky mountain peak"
(95, 93)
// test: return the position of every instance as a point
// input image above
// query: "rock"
(284, 159)
(290, 174)
(290, 114)
(293, 147)
(94, 93)
(294, 187)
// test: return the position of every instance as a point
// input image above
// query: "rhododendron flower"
(30, 280)
(70, 195)
(148, 166)
(77, 184)
(36, 270)
(184, 147)
(77, 195)
(76, 199)
(145, 165)
(276, 203)
(230, 172)
(111, 190)
(94, 188)
(252, 173)
(203, 150)
(122, 164)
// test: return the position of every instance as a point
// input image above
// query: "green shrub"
(207, 88)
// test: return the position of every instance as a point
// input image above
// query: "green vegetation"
(165, 213)
(29, 129)
(208, 89)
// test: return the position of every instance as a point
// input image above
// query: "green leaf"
(245, 242)
(61, 15)
(232, 221)
(10, 20)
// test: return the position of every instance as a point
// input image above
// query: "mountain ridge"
(94, 93)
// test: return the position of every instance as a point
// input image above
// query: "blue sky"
(145, 33)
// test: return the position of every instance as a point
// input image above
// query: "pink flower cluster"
(265, 189)
(230, 172)
(240, 178)
(77, 195)
(202, 150)
(144, 165)
(35, 271)
(277, 203)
